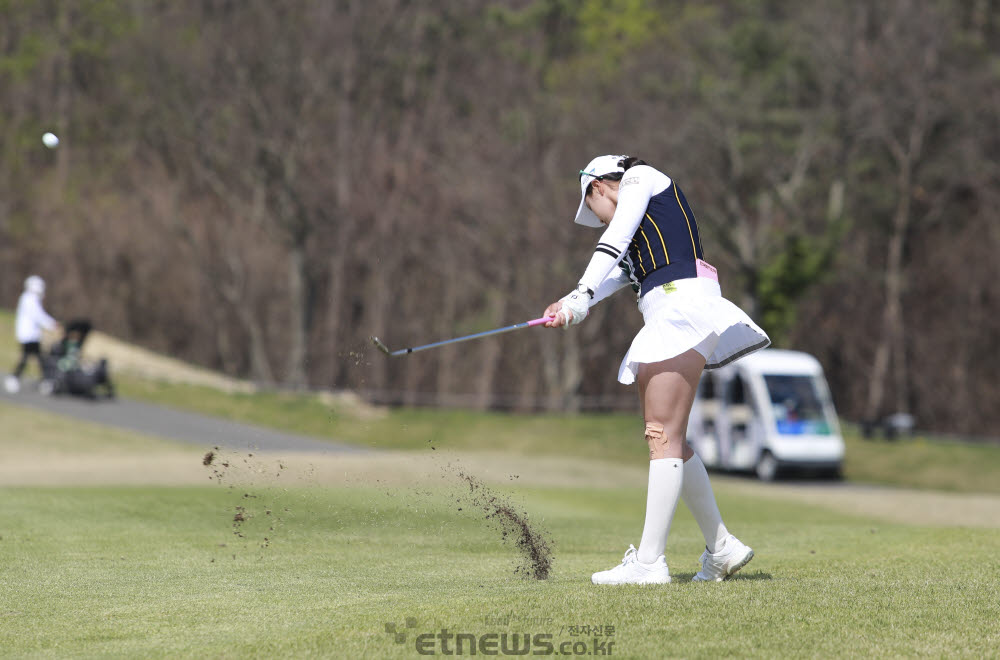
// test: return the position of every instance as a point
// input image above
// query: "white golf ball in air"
(50, 140)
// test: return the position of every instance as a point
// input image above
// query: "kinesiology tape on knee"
(656, 440)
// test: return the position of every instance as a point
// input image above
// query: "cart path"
(187, 427)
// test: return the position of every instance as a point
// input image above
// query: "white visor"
(596, 168)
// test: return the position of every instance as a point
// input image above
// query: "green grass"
(922, 463)
(158, 572)
(9, 349)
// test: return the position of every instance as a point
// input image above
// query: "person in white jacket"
(651, 242)
(31, 319)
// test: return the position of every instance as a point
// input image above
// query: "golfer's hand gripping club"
(569, 310)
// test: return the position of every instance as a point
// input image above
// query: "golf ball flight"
(50, 140)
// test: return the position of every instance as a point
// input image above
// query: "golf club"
(405, 351)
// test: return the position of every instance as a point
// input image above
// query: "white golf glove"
(575, 306)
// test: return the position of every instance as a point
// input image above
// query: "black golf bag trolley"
(65, 372)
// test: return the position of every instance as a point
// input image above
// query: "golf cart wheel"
(834, 473)
(767, 467)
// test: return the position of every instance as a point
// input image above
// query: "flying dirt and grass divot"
(255, 522)
(513, 525)
(252, 521)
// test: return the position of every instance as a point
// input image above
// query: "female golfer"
(652, 242)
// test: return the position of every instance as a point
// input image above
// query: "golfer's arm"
(632, 202)
(613, 282)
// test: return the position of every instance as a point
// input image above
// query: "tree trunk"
(445, 381)
(64, 91)
(260, 365)
(561, 369)
(550, 368)
(223, 344)
(489, 360)
(342, 189)
(336, 308)
(891, 349)
(963, 387)
(377, 311)
(298, 331)
(572, 373)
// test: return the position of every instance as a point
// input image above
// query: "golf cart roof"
(778, 361)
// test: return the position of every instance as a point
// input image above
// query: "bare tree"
(904, 99)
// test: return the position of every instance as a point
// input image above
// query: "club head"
(379, 345)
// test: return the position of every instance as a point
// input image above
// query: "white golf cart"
(768, 412)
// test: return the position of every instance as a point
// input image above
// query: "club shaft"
(478, 335)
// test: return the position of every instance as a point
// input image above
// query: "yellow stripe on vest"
(651, 257)
(639, 254)
(662, 242)
(691, 233)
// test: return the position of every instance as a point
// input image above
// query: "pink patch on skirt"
(705, 269)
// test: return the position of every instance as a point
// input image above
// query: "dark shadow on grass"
(742, 575)
(755, 575)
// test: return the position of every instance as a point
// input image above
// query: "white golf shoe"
(12, 384)
(632, 571)
(721, 564)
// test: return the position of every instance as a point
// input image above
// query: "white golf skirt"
(690, 313)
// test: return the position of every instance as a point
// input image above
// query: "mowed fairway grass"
(159, 572)
(240, 568)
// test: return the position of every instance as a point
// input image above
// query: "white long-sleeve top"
(616, 279)
(31, 318)
(637, 186)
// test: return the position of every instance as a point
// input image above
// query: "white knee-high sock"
(697, 494)
(665, 478)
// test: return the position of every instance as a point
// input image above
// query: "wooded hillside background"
(259, 185)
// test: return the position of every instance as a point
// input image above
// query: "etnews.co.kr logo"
(446, 642)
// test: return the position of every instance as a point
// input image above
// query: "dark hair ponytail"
(625, 163)
(629, 162)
